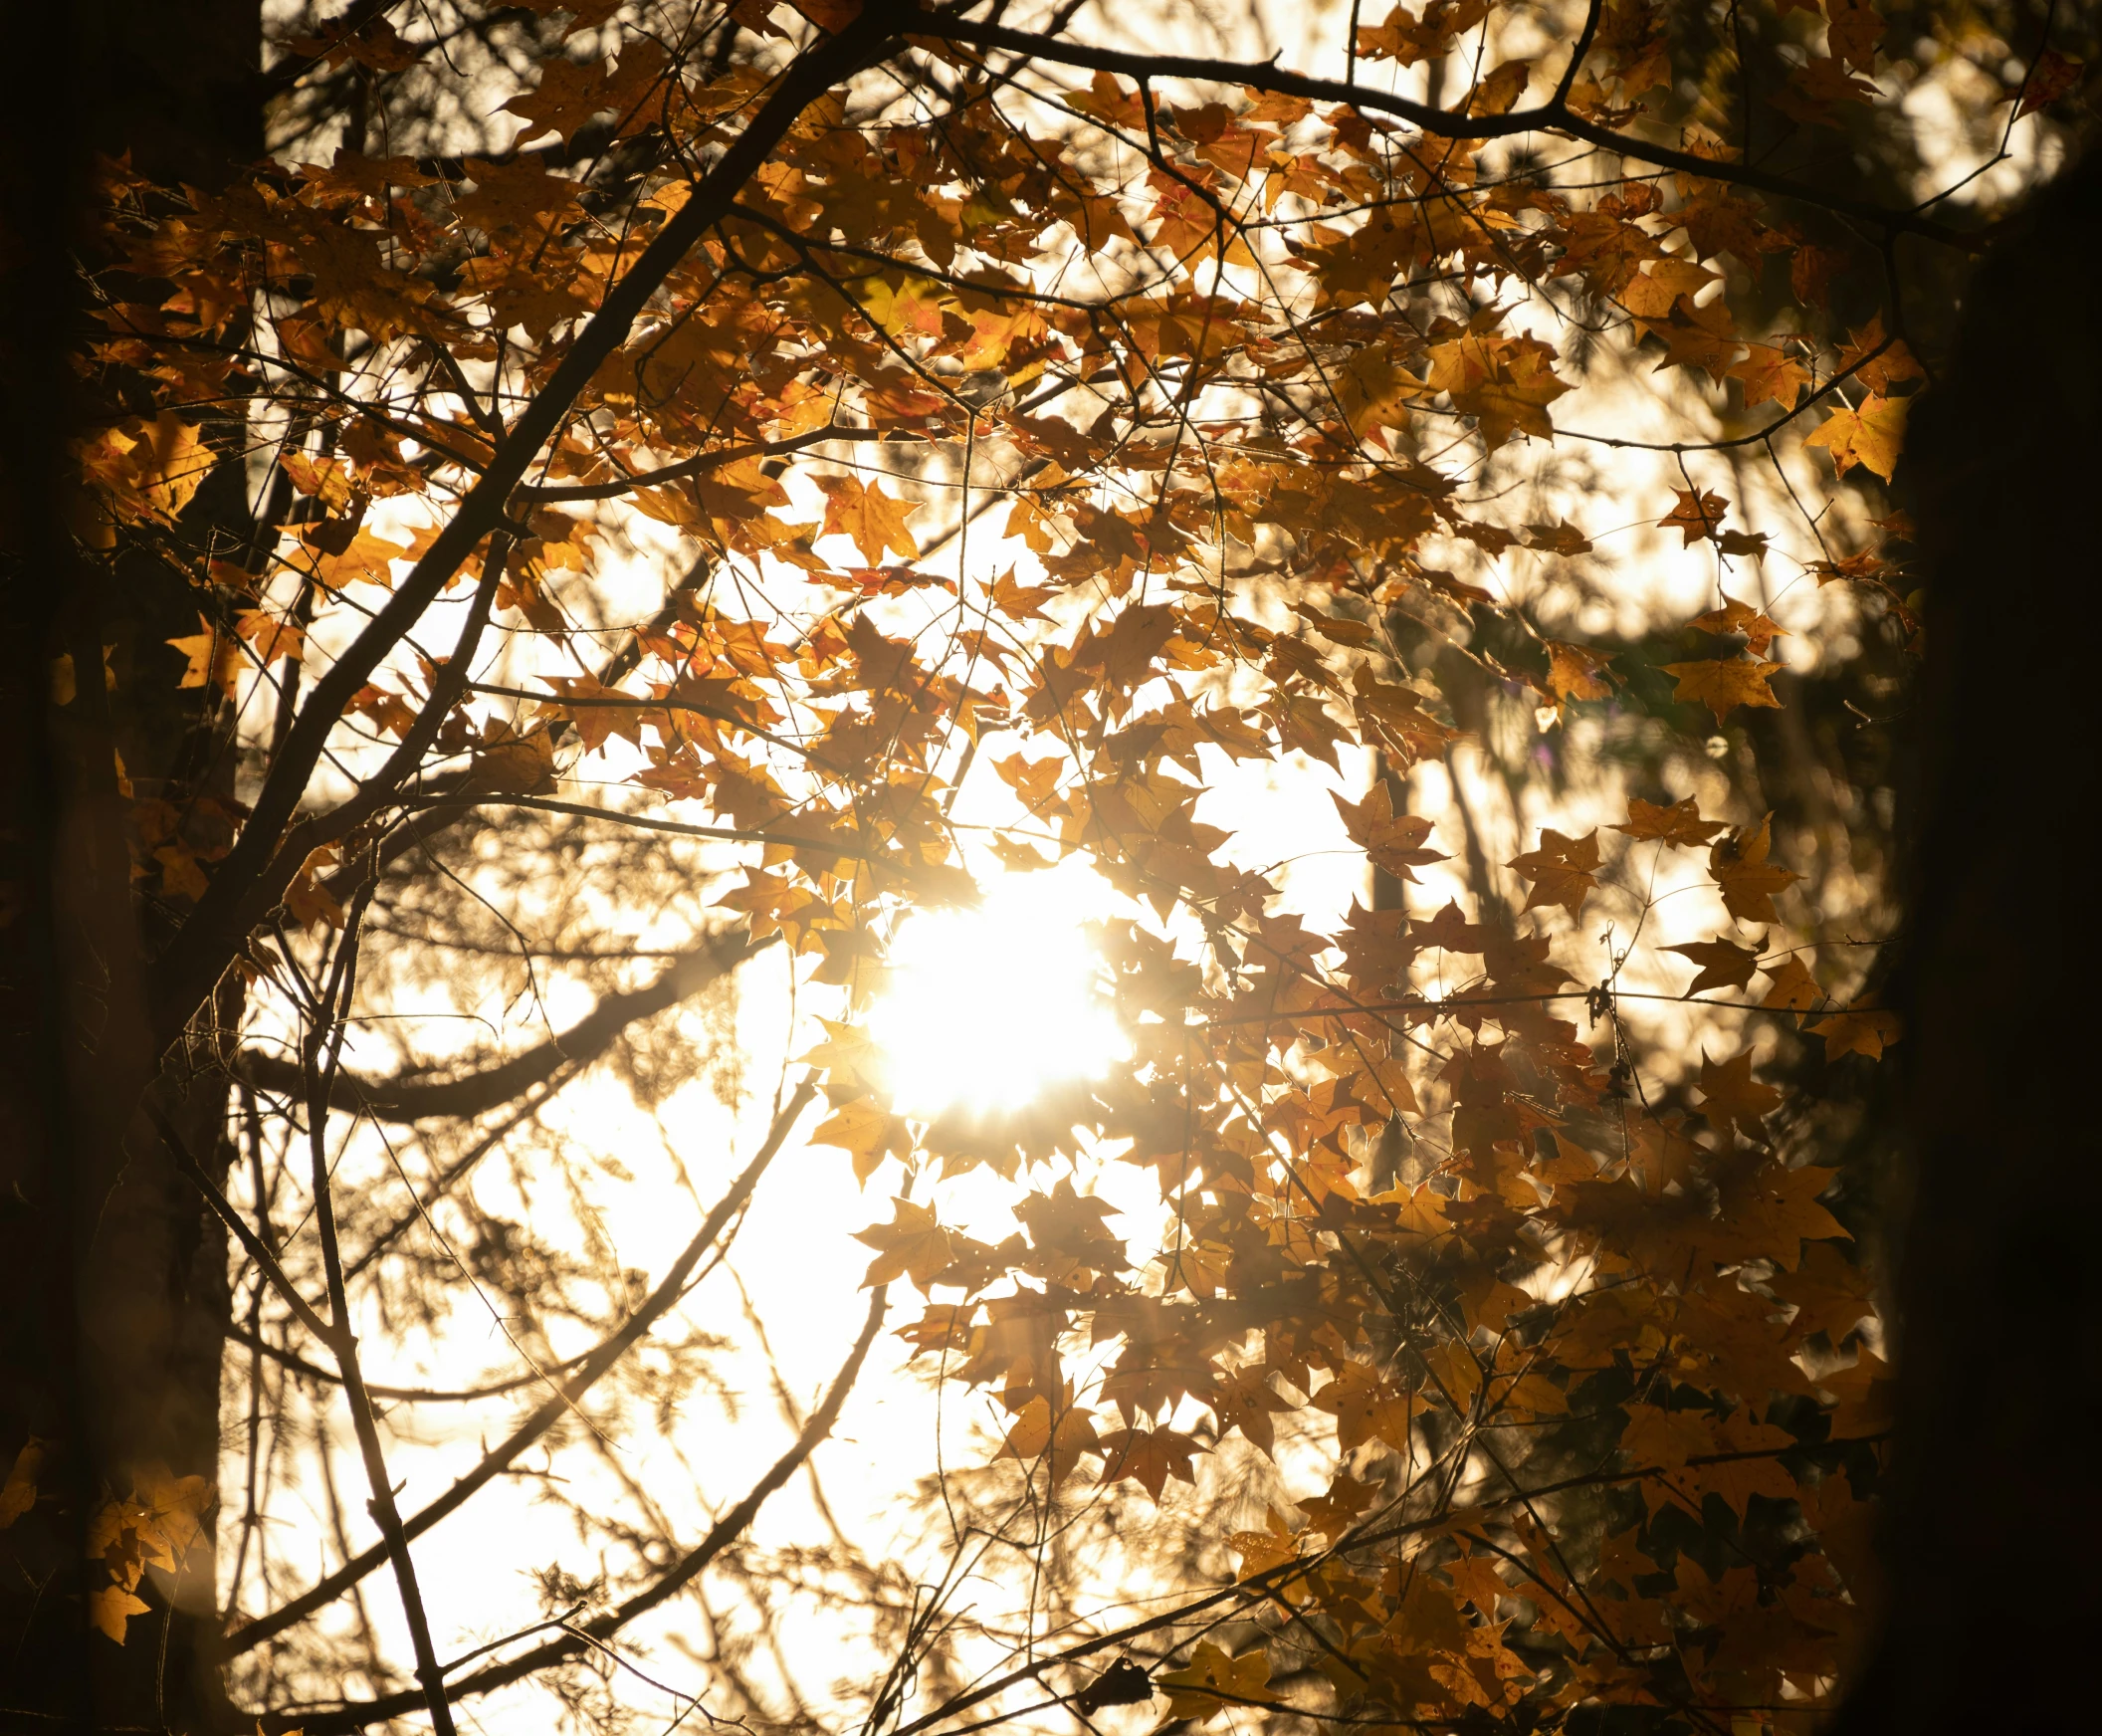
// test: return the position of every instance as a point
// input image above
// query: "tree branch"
(265, 857)
(471, 1094)
(668, 1292)
(329, 1027)
(1551, 116)
(726, 1531)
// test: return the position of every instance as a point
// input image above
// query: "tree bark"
(112, 1276)
(1989, 1612)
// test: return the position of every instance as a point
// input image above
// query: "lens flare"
(987, 1006)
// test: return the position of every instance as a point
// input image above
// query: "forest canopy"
(937, 867)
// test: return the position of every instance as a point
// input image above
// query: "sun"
(987, 1006)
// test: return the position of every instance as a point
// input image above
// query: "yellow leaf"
(911, 1242)
(1790, 984)
(1872, 436)
(847, 1053)
(214, 657)
(1366, 1407)
(1539, 1394)
(1666, 1439)
(272, 638)
(1506, 383)
(1577, 672)
(1456, 1371)
(111, 1608)
(1214, 1681)
(1032, 1436)
(1733, 1097)
(170, 461)
(180, 877)
(868, 517)
(868, 1131)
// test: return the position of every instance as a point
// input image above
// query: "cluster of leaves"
(804, 295)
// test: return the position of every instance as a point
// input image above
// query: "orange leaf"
(19, 1494)
(1770, 375)
(215, 658)
(1857, 1030)
(1871, 436)
(1790, 984)
(1149, 1457)
(1680, 824)
(872, 519)
(1744, 876)
(1698, 516)
(1723, 683)
(1395, 844)
(1561, 870)
(1577, 672)
(1735, 617)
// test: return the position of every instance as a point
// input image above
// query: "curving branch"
(726, 1531)
(470, 1094)
(272, 845)
(670, 1289)
(1554, 116)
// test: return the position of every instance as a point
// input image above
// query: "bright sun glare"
(986, 1006)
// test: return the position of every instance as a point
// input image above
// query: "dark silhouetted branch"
(490, 1088)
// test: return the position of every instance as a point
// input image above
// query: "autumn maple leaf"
(1062, 1441)
(1579, 672)
(1395, 844)
(1759, 630)
(1770, 375)
(1724, 964)
(1561, 870)
(1857, 1030)
(215, 658)
(1698, 516)
(2054, 76)
(1506, 384)
(1366, 1407)
(1214, 1681)
(913, 1242)
(1744, 876)
(1790, 986)
(1680, 824)
(1724, 684)
(869, 517)
(1149, 1457)
(1871, 436)
(1731, 1098)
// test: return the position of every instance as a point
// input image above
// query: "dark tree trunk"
(113, 1277)
(1995, 1504)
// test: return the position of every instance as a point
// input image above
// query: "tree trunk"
(1990, 1610)
(113, 1275)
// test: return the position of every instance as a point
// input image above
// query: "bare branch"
(726, 1531)
(669, 1290)
(477, 1093)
